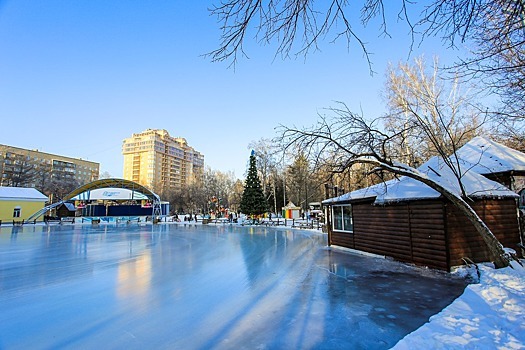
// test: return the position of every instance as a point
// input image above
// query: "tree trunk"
(274, 196)
(493, 244)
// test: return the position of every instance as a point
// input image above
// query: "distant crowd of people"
(189, 217)
(232, 217)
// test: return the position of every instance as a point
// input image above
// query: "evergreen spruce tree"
(253, 201)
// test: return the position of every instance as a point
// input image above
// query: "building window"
(17, 212)
(342, 218)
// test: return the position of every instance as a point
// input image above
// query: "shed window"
(16, 212)
(342, 218)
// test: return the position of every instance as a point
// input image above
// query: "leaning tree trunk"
(500, 258)
(493, 244)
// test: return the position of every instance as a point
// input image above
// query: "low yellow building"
(19, 203)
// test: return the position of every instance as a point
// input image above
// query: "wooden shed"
(66, 209)
(408, 221)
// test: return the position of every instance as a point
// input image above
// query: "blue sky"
(77, 77)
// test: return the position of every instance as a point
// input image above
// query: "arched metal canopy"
(112, 183)
(106, 183)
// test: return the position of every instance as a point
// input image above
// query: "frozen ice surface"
(204, 287)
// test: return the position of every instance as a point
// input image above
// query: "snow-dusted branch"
(349, 139)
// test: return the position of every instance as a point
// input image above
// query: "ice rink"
(174, 286)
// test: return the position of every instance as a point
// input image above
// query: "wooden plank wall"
(342, 239)
(407, 232)
(420, 232)
(427, 223)
(499, 215)
(382, 230)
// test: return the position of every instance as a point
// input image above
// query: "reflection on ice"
(200, 287)
(134, 277)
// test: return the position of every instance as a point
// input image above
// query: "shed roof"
(476, 185)
(69, 206)
(487, 156)
(22, 193)
(290, 205)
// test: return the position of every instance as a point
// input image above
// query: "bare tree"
(298, 174)
(105, 175)
(301, 23)
(59, 187)
(346, 139)
(304, 23)
(196, 196)
(18, 170)
(268, 155)
(190, 199)
(218, 187)
(43, 178)
(494, 30)
(236, 195)
(420, 99)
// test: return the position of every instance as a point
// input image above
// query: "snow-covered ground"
(488, 315)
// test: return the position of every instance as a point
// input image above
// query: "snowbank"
(488, 315)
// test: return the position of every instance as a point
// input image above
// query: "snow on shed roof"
(487, 156)
(21, 193)
(406, 188)
(69, 206)
(363, 193)
(475, 185)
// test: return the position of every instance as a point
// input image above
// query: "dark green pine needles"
(253, 201)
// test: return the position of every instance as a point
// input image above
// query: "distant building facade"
(20, 167)
(161, 162)
(19, 203)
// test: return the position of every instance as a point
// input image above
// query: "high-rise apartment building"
(20, 167)
(161, 162)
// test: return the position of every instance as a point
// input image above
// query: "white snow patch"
(487, 156)
(479, 156)
(488, 315)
